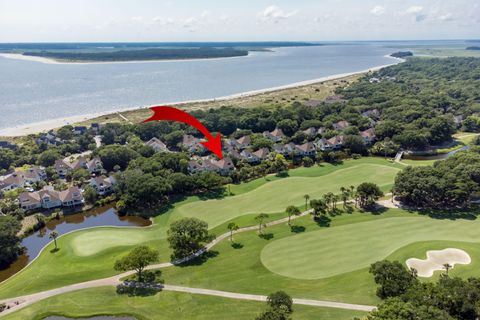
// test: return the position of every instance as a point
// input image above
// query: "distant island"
(401, 54)
(139, 55)
(144, 51)
(473, 48)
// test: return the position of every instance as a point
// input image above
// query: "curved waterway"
(99, 217)
(442, 156)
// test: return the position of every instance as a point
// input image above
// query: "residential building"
(276, 135)
(280, 149)
(249, 156)
(244, 142)
(311, 132)
(12, 181)
(290, 149)
(262, 153)
(306, 149)
(341, 125)
(222, 167)
(103, 185)
(7, 145)
(231, 144)
(48, 198)
(336, 142)
(96, 127)
(63, 167)
(157, 145)
(368, 135)
(192, 144)
(22, 178)
(49, 138)
(79, 130)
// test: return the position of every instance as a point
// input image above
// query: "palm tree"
(330, 199)
(292, 211)
(345, 196)
(54, 236)
(336, 199)
(447, 267)
(232, 226)
(260, 218)
(326, 198)
(306, 197)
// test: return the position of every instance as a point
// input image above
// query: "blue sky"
(229, 20)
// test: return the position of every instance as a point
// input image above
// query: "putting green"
(334, 251)
(96, 240)
(277, 195)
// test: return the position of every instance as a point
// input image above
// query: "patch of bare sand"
(436, 260)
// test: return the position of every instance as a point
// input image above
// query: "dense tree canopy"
(187, 236)
(408, 298)
(9, 242)
(449, 183)
(138, 259)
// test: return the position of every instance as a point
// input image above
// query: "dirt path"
(18, 303)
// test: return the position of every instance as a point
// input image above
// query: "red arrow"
(214, 144)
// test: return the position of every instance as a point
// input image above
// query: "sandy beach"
(44, 126)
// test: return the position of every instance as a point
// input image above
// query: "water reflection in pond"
(105, 216)
(442, 156)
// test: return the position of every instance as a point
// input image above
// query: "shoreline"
(43, 126)
(19, 56)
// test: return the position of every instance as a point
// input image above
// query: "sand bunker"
(436, 259)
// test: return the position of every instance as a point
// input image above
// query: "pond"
(99, 217)
(442, 156)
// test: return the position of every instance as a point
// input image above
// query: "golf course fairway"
(329, 252)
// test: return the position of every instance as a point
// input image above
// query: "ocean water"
(32, 91)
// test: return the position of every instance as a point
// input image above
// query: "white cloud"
(162, 21)
(445, 17)
(415, 9)
(205, 14)
(378, 10)
(275, 14)
(189, 23)
(137, 19)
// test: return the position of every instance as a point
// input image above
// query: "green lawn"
(395, 234)
(162, 306)
(418, 163)
(326, 253)
(277, 195)
(90, 254)
(465, 137)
